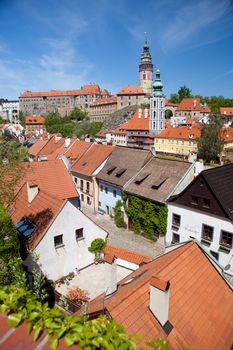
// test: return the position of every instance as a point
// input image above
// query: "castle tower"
(146, 70)
(157, 106)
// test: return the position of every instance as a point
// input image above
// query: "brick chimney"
(110, 264)
(159, 299)
(32, 190)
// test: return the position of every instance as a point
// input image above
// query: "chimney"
(159, 298)
(146, 112)
(110, 264)
(57, 138)
(32, 190)
(195, 103)
(67, 142)
(139, 113)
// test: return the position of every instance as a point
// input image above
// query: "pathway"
(125, 239)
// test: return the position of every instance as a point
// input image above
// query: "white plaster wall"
(191, 225)
(58, 262)
(127, 264)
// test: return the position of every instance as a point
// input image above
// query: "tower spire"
(146, 69)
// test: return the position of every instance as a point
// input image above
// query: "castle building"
(157, 106)
(146, 70)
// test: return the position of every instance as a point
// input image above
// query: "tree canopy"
(210, 143)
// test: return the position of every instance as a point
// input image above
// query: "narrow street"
(125, 239)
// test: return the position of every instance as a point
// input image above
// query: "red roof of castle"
(131, 90)
(105, 101)
(226, 110)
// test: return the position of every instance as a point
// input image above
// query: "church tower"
(146, 70)
(157, 106)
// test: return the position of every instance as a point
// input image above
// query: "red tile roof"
(35, 149)
(55, 187)
(136, 123)
(159, 283)
(180, 132)
(192, 104)
(127, 255)
(199, 303)
(105, 101)
(34, 120)
(226, 110)
(90, 89)
(92, 159)
(131, 90)
(227, 134)
(76, 150)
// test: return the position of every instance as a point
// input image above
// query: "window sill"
(225, 249)
(79, 239)
(60, 246)
(175, 227)
(206, 241)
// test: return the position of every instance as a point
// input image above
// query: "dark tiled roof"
(122, 164)
(220, 180)
(157, 179)
(200, 301)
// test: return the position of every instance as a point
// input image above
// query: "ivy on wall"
(118, 218)
(148, 219)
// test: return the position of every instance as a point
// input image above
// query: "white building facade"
(64, 247)
(157, 106)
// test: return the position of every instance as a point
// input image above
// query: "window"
(76, 180)
(194, 200)
(88, 187)
(207, 233)
(82, 197)
(88, 200)
(81, 184)
(107, 209)
(101, 188)
(79, 234)
(175, 238)
(114, 193)
(106, 190)
(176, 220)
(58, 241)
(215, 254)
(226, 240)
(206, 203)
(99, 204)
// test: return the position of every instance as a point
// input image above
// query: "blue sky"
(51, 44)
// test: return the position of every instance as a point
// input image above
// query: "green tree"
(118, 215)
(21, 118)
(12, 152)
(211, 142)
(77, 114)
(184, 92)
(11, 265)
(174, 98)
(39, 281)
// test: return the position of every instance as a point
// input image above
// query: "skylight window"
(120, 172)
(111, 169)
(85, 163)
(25, 227)
(158, 183)
(141, 178)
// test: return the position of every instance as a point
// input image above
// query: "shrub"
(119, 221)
(97, 245)
(78, 295)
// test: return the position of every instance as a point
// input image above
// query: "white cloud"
(192, 18)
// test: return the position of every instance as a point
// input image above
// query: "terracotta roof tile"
(35, 149)
(226, 110)
(109, 258)
(105, 101)
(192, 104)
(195, 286)
(92, 159)
(126, 255)
(159, 283)
(34, 120)
(180, 132)
(76, 150)
(139, 121)
(131, 90)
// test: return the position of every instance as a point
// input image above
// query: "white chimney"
(57, 138)
(146, 112)
(195, 103)
(110, 264)
(139, 113)
(159, 299)
(67, 142)
(32, 191)
(199, 167)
